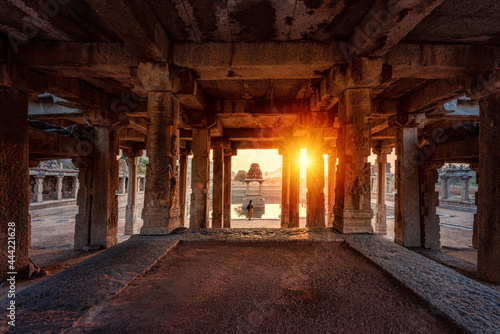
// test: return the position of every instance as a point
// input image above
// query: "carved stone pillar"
(381, 216)
(389, 184)
(285, 188)
(429, 201)
(59, 185)
(218, 185)
(200, 178)
(332, 173)
(122, 187)
(445, 189)
(315, 179)
(294, 191)
(131, 212)
(74, 187)
(14, 181)
(465, 188)
(228, 154)
(39, 188)
(407, 207)
(352, 211)
(161, 202)
(475, 167)
(183, 165)
(488, 264)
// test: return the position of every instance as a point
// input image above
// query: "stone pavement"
(56, 303)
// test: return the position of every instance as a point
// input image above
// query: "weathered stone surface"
(285, 189)
(228, 155)
(474, 307)
(131, 211)
(332, 173)
(218, 190)
(293, 217)
(429, 200)
(84, 202)
(183, 172)
(14, 187)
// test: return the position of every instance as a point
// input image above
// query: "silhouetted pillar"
(161, 202)
(14, 181)
(131, 210)
(294, 191)
(353, 211)
(332, 173)
(200, 178)
(183, 171)
(285, 187)
(381, 216)
(315, 179)
(475, 167)
(488, 265)
(218, 184)
(228, 155)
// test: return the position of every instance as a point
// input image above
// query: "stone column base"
(130, 219)
(353, 221)
(159, 222)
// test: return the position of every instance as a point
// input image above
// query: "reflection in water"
(271, 211)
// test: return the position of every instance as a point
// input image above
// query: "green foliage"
(240, 176)
(141, 167)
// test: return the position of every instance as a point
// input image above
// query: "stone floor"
(58, 302)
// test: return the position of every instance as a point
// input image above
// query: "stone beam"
(261, 134)
(264, 60)
(433, 95)
(46, 107)
(458, 151)
(78, 91)
(74, 59)
(130, 135)
(21, 77)
(136, 25)
(253, 107)
(53, 145)
(386, 24)
(431, 61)
(256, 145)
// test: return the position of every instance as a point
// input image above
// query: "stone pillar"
(475, 167)
(200, 178)
(315, 179)
(228, 154)
(248, 188)
(353, 211)
(104, 218)
(218, 182)
(161, 203)
(332, 171)
(183, 165)
(465, 188)
(39, 188)
(429, 201)
(488, 264)
(389, 183)
(74, 188)
(381, 216)
(122, 185)
(59, 185)
(445, 189)
(14, 181)
(407, 207)
(84, 203)
(131, 212)
(285, 186)
(260, 188)
(294, 191)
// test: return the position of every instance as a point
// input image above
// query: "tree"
(240, 176)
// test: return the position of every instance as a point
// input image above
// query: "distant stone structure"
(255, 175)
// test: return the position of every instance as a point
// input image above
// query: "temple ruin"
(83, 80)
